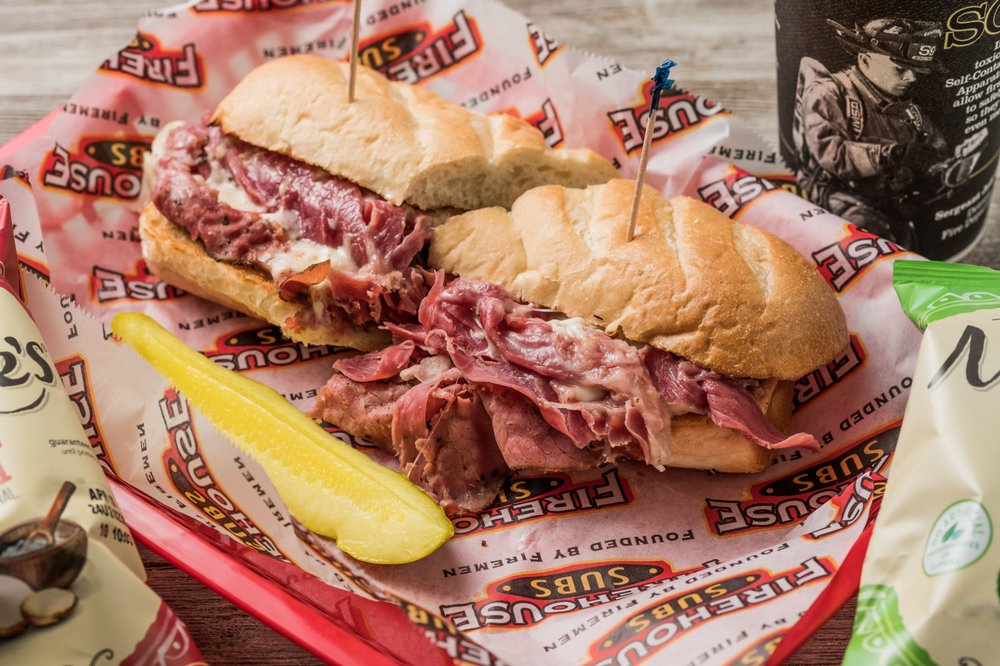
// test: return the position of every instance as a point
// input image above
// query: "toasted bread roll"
(730, 297)
(402, 141)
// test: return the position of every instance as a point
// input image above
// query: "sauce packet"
(72, 584)
(929, 588)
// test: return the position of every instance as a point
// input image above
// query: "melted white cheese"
(229, 192)
(571, 327)
(297, 255)
(575, 328)
(589, 393)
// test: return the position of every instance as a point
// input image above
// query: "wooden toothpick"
(355, 32)
(661, 84)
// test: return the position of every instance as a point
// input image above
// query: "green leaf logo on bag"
(960, 536)
(880, 637)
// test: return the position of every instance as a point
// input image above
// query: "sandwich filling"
(483, 384)
(347, 249)
(476, 383)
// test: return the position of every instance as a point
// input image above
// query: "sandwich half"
(309, 212)
(547, 342)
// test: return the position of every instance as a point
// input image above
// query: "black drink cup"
(889, 114)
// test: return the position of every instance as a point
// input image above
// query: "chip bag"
(929, 587)
(72, 584)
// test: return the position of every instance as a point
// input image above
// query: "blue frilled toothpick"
(661, 84)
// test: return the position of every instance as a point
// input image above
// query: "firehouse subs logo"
(420, 53)
(850, 504)
(790, 499)
(734, 192)
(812, 385)
(145, 59)
(544, 46)
(548, 123)
(653, 628)
(207, 6)
(191, 477)
(530, 598)
(444, 635)
(257, 348)
(526, 498)
(843, 262)
(76, 379)
(108, 286)
(760, 652)
(678, 112)
(98, 167)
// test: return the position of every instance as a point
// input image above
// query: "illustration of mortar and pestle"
(48, 555)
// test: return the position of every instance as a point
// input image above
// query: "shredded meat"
(446, 443)
(294, 201)
(364, 409)
(489, 383)
(586, 385)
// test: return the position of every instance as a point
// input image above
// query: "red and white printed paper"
(614, 566)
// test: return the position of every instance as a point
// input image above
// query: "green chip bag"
(929, 587)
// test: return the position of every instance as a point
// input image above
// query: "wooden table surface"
(727, 51)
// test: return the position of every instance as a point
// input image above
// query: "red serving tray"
(353, 630)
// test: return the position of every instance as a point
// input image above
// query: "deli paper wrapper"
(616, 565)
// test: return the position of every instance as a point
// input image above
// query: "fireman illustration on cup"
(867, 152)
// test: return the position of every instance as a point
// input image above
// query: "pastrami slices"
(486, 383)
(294, 204)
(314, 234)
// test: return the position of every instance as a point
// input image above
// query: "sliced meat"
(362, 409)
(731, 407)
(447, 445)
(182, 195)
(273, 201)
(526, 441)
(729, 402)
(676, 380)
(388, 362)
(438, 429)
(586, 385)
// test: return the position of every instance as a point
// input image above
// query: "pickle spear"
(374, 514)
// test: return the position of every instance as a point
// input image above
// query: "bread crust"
(728, 296)
(401, 141)
(697, 443)
(175, 257)
(169, 251)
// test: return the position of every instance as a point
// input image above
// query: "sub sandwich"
(294, 206)
(521, 334)
(547, 342)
